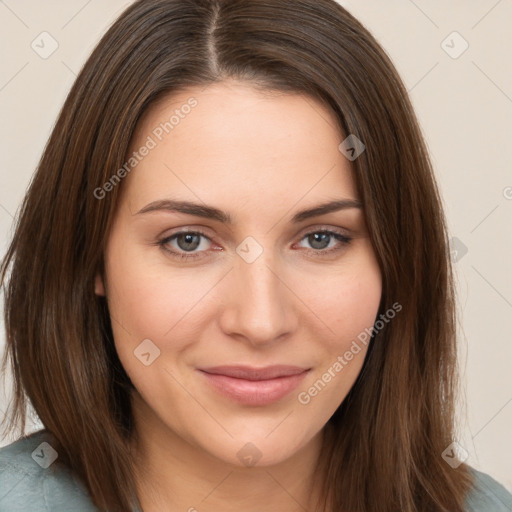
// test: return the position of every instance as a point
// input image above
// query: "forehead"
(230, 138)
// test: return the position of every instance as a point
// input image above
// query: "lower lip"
(255, 392)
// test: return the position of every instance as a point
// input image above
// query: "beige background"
(464, 105)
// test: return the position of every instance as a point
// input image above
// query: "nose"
(258, 305)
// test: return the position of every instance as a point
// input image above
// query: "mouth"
(254, 386)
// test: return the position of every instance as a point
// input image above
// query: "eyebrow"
(210, 212)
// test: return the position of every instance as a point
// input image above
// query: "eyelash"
(340, 237)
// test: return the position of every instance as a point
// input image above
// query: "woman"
(235, 259)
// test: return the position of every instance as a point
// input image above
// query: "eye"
(326, 242)
(188, 245)
(184, 245)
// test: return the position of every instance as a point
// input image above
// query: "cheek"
(349, 308)
(358, 305)
(346, 302)
(148, 300)
(151, 302)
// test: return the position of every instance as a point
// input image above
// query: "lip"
(255, 386)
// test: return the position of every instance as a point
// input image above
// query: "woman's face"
(210, 264)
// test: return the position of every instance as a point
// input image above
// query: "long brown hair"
(383, 445)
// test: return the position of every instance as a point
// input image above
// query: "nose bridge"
(260, 281)
(259, 306)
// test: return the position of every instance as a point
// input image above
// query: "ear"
(99, 288)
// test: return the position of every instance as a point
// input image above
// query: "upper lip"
(252, 373)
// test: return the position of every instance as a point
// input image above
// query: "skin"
(261, 158)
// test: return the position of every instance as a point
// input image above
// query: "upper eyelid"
(303, 232)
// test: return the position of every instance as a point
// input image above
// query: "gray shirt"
(30, 481)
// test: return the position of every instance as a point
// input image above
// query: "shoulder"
(488, 495)
(33, 479)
